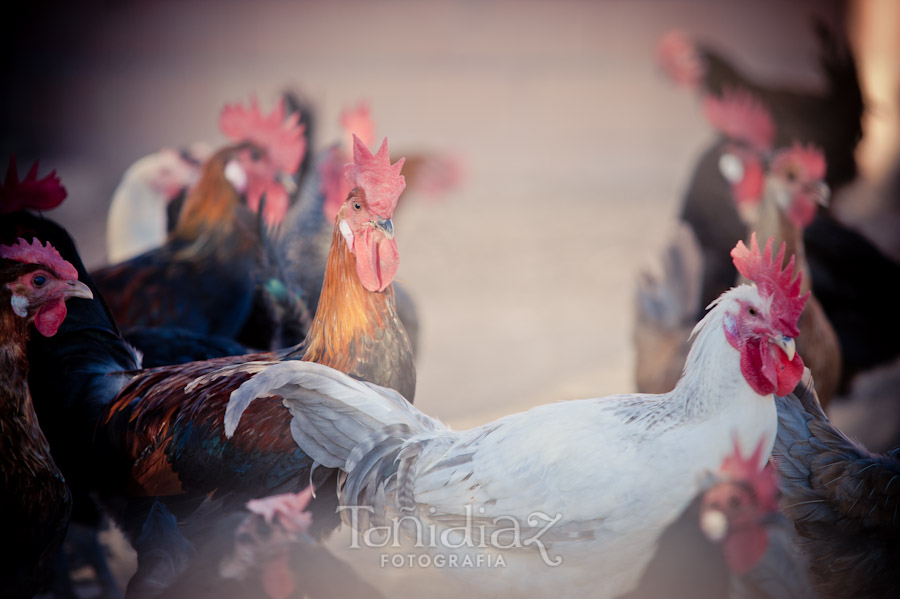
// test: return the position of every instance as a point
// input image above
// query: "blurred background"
(576, 149)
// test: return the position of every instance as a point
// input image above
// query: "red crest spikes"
(763, 482)
(809, 160)
(30, 193)
(380, 179)
(358, 121)
(740, 116)
(35, 253)
(773, 281)
(678, 56)
(283, 139)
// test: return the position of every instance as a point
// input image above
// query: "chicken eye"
(39, 280)
(357, 206)
(734, 501)
(791, 175)
(752, 311)
(255, 155)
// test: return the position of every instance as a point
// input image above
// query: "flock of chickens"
(244, 373)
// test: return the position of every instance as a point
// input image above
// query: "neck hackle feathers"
(35, 253)
(736, 468)
(381, 180)
(283, 139)
(773, 281)
(740, 116)
(30, 193)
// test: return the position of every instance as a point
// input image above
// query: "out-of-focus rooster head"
(794, 175)
(364, 219)
(761, 321)
(273, 149)
(263, 542)
(41, 284)
(355, 121)
(678, 56)
(749, 132)
(797, 181)
(737, 508)
(30, 193)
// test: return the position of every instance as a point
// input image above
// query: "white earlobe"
(19, 305)
(347, 233)
(731, 168)
(236, 175)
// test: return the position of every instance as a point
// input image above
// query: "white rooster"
(567, 498)
(137, 220)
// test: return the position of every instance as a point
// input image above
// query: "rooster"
(843, 499)
(129, 434)
(304, 240)
(139, 217)
(519, 482)
(35, 502)
(205, 278)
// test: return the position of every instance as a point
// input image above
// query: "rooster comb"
(35, 253)
(740, 116)
(736, 468)
(679, 58)
(357, 120)
(30, 193)
(381, 180)
(773, 281)
(282, 138)
(809, 159)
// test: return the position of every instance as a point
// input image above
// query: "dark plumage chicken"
(832, 119)
(843, 499)
(263, 550)
(211, 274)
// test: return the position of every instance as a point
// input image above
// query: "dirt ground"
(576, 151)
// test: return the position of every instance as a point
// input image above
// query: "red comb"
(773, 281)
(358, 121)
(678, 56)
(30, 193)
(35, 253)
(810, 159)
(282, 139)
(740, 116)
(763, 482)
(380, 179)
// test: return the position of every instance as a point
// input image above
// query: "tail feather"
(332, 412)
(673, 298)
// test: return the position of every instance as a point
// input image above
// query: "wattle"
(744, 548)
(49, 318)
(768, 370)
(377, 259)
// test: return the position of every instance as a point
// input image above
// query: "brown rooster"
(35, 503)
